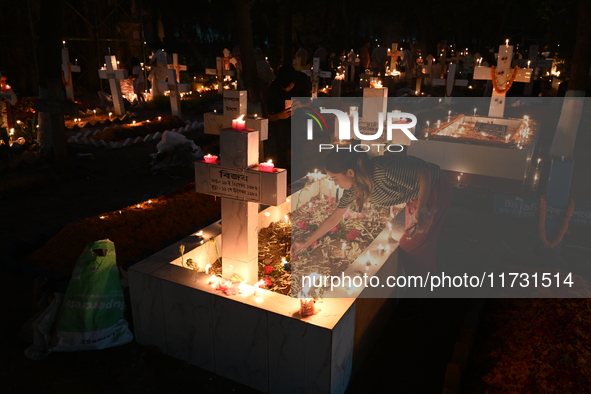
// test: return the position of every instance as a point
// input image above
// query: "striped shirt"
(394, 180)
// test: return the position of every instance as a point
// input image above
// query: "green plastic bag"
(91, 315)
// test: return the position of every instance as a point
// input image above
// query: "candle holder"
(267, 166)
(212, 159)
(306, 307)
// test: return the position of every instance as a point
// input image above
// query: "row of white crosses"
(315, 74)
(242, 186)
(114, 75)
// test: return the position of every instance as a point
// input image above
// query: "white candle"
(381, 248)
(507, 42)
(207, 267)
(474, 111)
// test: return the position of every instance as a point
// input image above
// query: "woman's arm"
(286, 113)
(326, 226)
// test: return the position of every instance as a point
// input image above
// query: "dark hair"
(339, 161)
(286, 76)
(156, 45)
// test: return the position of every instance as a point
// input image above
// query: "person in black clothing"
(288, 84)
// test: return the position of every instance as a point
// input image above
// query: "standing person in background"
(378, 59)
(364, 57)
(158, 68)
(139, 82)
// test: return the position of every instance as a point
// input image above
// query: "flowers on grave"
(134, 231)
(267, 282)
(353, 234)
(302, 225)
(268, 269)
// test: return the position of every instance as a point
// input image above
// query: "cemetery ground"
(411, 355)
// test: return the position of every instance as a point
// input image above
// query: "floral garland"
(509, 84)
(563, 226)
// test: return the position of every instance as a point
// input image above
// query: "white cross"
(535, 64)
(67, 70)
(113, 74)
(176, 66)
(422, 73)
(220, 73)
(450, 81)
(351, 61)
(242, 186)
(315, 74)
(175, 89)
(394, 54)
(234, 106)
(503, 76)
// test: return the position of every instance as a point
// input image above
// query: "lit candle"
(267, 166)
(528, 63)
(381, 248)
(257, 286)
(428, 123)
(343, 249)
(507, 42)
(438, 123)
(239, 124)
(110, 115)
(368, 256)
(285, 263)
(474, 111)
(387, 249)
(207, 267)
(537, 165)
(210, 158)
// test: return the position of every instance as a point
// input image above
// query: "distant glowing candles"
(507, 42)
(239, 124)
(210, 158)
(267, 166)
(538, 163)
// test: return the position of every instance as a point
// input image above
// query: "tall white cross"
(242, 186)
(351, 61)
(315, 74)
(220, 73)
(177, 66)
(67, 70)
(503, 75)
(113, 74)
(394, 54)
(175, 90)
(450, 81)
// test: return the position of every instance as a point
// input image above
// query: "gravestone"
(67, 70)
(234, 106)
(52, 107)
(114, 75)
(535, 64)
(175, 89)
(350, 63)
(503, 74)
(450, 81)
(315, 74)
(220, 72)
(242, 186)
(177, 67)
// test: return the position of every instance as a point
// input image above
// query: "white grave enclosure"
(260, 341)
(113, 74)
(448, 145)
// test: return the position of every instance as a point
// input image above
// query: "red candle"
(210, 158)
(239, 124)
(267, 167)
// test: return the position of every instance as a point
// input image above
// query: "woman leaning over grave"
(387, 181)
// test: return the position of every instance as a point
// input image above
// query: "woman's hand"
(285, 114)
(296, 247)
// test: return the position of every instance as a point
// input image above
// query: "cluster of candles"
(267, 166)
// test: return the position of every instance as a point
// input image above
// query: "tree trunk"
(51, 126)
(249, 67)
(566, 132)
